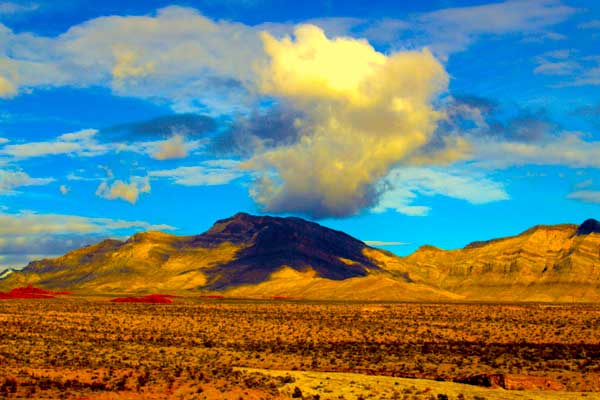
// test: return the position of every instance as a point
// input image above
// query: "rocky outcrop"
(544, 263)
(511, 382)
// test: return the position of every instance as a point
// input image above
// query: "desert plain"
(87, 347)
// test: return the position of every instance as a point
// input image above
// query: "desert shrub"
(9, 385)
(297, 393)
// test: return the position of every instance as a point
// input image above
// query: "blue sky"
(401, 123)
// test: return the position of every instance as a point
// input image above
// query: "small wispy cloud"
(13, 179)
(556, 68)
(405, 185)
(81, 143)
(29, 222)
(27, 235)
(9, 8)
(208, 173)
(586, 196)
(584, 184)
(381, 243)
(593, 24)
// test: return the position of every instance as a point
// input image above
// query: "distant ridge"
(5, 274)
(566, 227)
(274, 257)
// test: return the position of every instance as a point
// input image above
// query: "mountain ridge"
(254, 256)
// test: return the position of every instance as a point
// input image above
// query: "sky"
(401, 123)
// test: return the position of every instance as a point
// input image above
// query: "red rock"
(30, 292)
(151, 298)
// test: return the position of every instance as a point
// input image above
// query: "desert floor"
(85, 347)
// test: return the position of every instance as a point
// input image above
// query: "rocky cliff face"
(560, 262)
(254, 256)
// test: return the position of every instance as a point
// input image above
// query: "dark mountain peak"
(589, 226)
(237, 224)
(244, 227)
(270, 242)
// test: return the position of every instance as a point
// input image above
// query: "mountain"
(544, 263)
(263, 256)
(243, 255)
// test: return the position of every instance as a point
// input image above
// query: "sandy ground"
(332, 385)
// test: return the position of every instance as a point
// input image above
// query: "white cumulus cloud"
(128, 191)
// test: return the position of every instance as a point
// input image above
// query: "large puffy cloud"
(179, 55)
(127, 67)
(176, 54)
(363, 112)
(347, 114)
(262, 129)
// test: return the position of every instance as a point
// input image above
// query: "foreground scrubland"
(84, 347)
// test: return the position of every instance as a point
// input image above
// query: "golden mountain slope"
(147, 262)
(544, 263)
(248, 256)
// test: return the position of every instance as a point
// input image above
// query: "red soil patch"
(30, 292)
(151, 298)
(212, 296)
